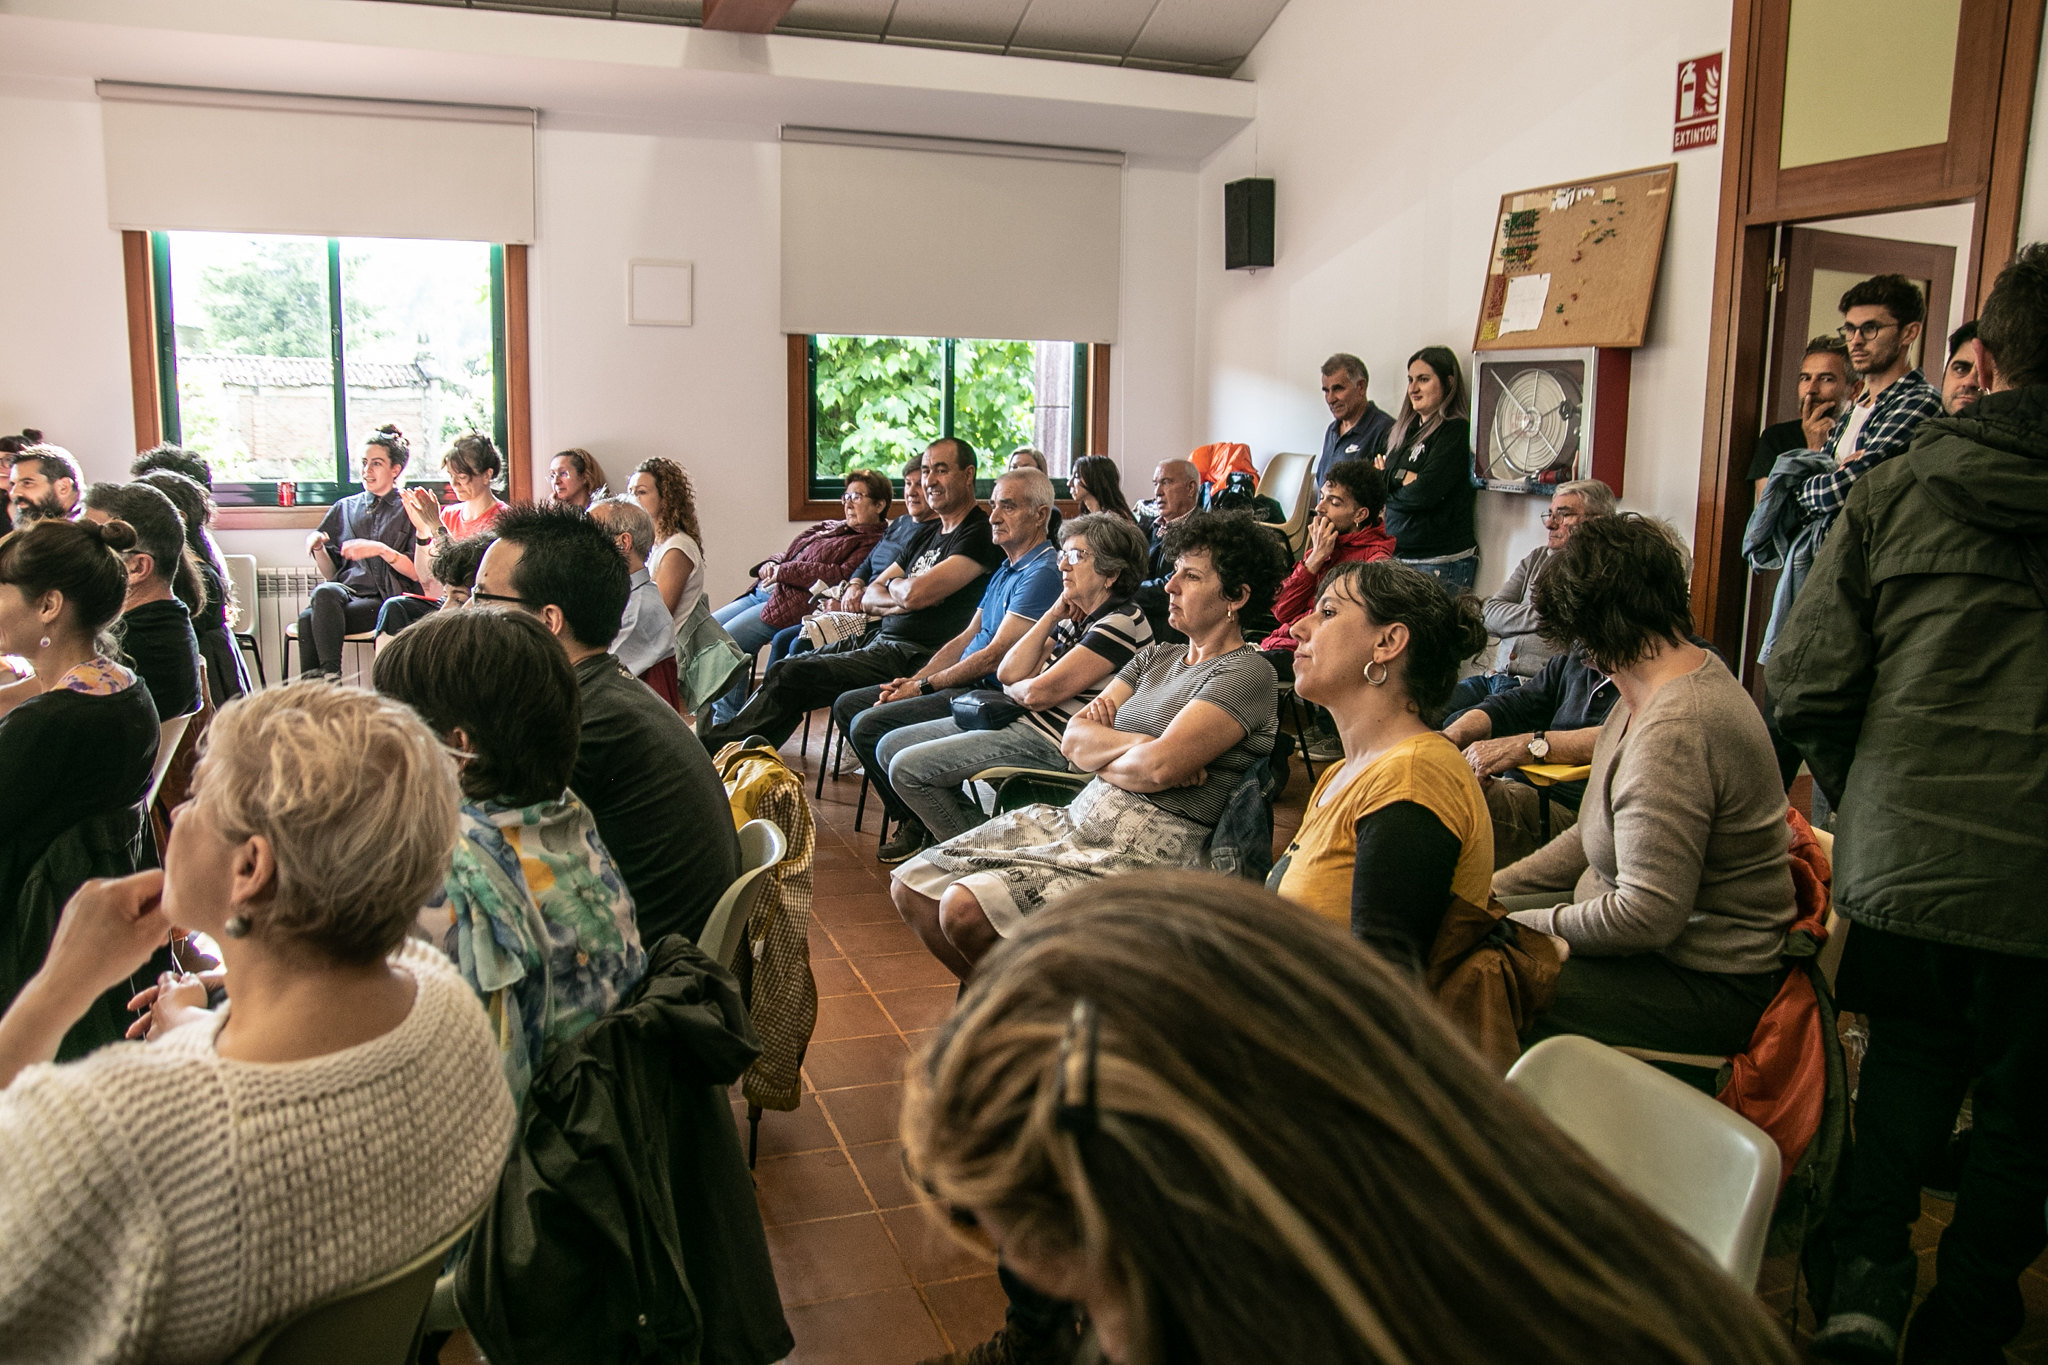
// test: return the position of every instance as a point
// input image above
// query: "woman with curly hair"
(1674, 889)
(1237, 1138)
(661, 486)
(1168, 741)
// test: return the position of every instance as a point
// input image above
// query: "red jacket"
(1298, 593)
(826, 553)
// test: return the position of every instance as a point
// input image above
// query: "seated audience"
(1511, 611)
(1238, 1139)
(676, 563)
(532, 912)
(659, 805)
(78, 736)
(574, 479)
(646, 642)
(167, 458)
(1675, 882)
(1555, 717)
(1168, 741)
(920, 601)
(471, 463)
(1358, 426)
(1428, 461)
(1027, 457)
(1056, 668)
(156, 628)
(346, 1113)
(828, 553)
(1344, 530)
(364, 546)
(1961, 385)
(1397, 831)
(47, 485)
(1023, 586)
(1827, 386)
(1176, 495)
(227, 675)
(455, 565)
(1098, 485)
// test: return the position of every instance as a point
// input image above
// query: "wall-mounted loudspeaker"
(1248, 225)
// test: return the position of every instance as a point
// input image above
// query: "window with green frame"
(278, 356)
(877, 401)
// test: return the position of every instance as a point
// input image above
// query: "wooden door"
(1817, 267)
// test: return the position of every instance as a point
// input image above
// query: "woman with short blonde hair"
(343, 1115)
(1235, 1135)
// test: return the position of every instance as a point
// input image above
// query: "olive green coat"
(1913, 674)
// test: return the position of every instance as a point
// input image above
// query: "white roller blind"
(890, 236)
(228, 161)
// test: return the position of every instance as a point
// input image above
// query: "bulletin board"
(1576, 264)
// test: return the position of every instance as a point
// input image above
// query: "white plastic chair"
(1708, 1170)
(761, 847)
(1285, 480)
(168, 734)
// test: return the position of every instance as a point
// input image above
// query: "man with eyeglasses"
(1881, 319)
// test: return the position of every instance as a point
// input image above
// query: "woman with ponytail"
(78, 733)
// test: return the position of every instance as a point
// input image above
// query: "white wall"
(1392, 132)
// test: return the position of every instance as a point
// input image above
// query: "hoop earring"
(1381, 680)
(44, 643)
(236, 927)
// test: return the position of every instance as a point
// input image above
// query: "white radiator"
(281, 594)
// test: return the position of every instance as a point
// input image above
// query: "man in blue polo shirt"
(1022, 589)
(1358, 426)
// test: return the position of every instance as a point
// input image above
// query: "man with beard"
(47, 484)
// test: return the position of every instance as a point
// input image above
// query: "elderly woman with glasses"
(827, 553)
(1056, 668)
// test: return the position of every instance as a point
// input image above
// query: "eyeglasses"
(853, 495)
(479, 595)
(1072, 557)
(1562, 518)
(1869, 331)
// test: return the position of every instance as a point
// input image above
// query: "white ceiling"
(1204, 37)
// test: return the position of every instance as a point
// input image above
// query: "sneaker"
(1866, 1312)
(1012, 1347)
(908, 840)
(1324, 748)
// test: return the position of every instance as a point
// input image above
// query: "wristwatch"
(1539, 747)
(924, 687)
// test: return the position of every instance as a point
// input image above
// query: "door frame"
(1984, 161)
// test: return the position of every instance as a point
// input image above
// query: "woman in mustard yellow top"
(1400, 827)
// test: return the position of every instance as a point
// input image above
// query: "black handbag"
(985, 709)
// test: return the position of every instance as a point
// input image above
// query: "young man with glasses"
(1881, 319)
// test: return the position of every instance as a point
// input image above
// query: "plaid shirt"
(1894, 418)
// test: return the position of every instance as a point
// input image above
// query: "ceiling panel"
(957, 21)
(1205, 31)
(838, 16)
(1103, 26)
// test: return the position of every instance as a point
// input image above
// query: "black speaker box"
(1248, 225)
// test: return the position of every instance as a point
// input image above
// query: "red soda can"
(287, 493)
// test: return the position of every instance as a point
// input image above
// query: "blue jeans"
(1457, 576)
(741, 618)
(1471, 691)
(928, 763)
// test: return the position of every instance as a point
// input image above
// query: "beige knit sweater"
(1681, 845)
(165, 1204)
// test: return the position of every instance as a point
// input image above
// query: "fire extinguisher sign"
(1697, 120)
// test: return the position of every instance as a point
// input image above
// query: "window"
(874, 402)
(279, 356)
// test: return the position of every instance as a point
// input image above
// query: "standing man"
(47, 484)
(1910, 675)
(923, 599)
(1022, 589)
(1881, 319)
(1358, 427)
(1826, 388)
(1960, 386)
(364, 546)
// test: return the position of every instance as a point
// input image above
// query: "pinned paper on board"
(1523, 309)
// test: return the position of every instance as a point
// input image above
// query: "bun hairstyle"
(1443, 631)
(14, 445)
(394, 443)
(80, 559)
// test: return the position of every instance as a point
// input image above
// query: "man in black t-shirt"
(1826, 388)
(157, 639)
(921, 601)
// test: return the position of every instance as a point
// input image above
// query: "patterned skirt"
(1023, 859)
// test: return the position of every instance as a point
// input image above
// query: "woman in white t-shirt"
(677, 561)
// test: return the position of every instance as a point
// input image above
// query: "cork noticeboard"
(1575, 264)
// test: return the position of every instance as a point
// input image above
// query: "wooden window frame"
(146, 379)
(1984, 162)
(803, 507)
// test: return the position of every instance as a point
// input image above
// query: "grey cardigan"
(1681, 845)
